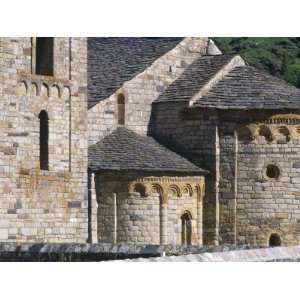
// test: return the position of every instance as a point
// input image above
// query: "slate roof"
(194, 78)
(245, 87)
(112, 61)
(123, 149)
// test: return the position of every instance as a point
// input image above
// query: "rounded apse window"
(272, 172)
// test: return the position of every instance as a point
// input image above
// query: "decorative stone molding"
(289, 119)
(187, 189)
(174, 190)
(167, 186)
(273, 132)
(38, 87)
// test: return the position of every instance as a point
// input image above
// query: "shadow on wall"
(168, 141)
(166, 117)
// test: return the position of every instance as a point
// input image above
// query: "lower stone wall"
(42, 206)
(148, 209)
(176, 207)
(137, 217)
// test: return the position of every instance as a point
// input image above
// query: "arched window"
(245, 134)
(44, 56)
(266, 133)
(274, 240)
(186, 229)
(285, 134)
(44, 136)
(140, 188)
(121, 109)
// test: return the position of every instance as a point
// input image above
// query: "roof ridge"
(195, 77)
(234, 60)
(247, 87)
(130, 56)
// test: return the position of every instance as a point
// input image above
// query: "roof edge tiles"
(125, 150)
(247, 88)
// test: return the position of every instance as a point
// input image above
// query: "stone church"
(145, 141)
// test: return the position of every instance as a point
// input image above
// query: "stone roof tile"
(194, 78)
(113, 61)
(123, 149)
(246, 87)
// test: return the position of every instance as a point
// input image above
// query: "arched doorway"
(186, 229)
(274, 240)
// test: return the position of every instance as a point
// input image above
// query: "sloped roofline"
(125, 150)
(234, 62)
(210, 48)
(247, 88)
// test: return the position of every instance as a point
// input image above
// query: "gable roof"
(194, 78)
(113, 61)
(246, 87)
(123, 149)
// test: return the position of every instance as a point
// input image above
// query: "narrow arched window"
(186, 229)
(121, 109)
(44, 137)
(274, 240)
(44, 56)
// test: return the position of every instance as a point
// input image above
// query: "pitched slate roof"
(194, 78)
(125, 150)
(246, 87)
(112, 61)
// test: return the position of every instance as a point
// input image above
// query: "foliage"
(279, 56)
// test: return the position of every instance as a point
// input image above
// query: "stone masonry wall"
(146, 218)
(252, 205)
(143, 89)
(39, 205)
(266, 205)
(195, 137)
(176, 207)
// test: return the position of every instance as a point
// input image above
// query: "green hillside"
(279, 56)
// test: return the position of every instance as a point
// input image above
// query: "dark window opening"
(121, 109)
(44, 137)
(245, 134)
(266, 133)
(272, 172)
(139, 188)
(285, 133)
(44, 56)
(186, 229)
(275, 240)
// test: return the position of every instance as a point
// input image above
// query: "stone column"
(200, 192)
(94, 211)
(163, 219)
